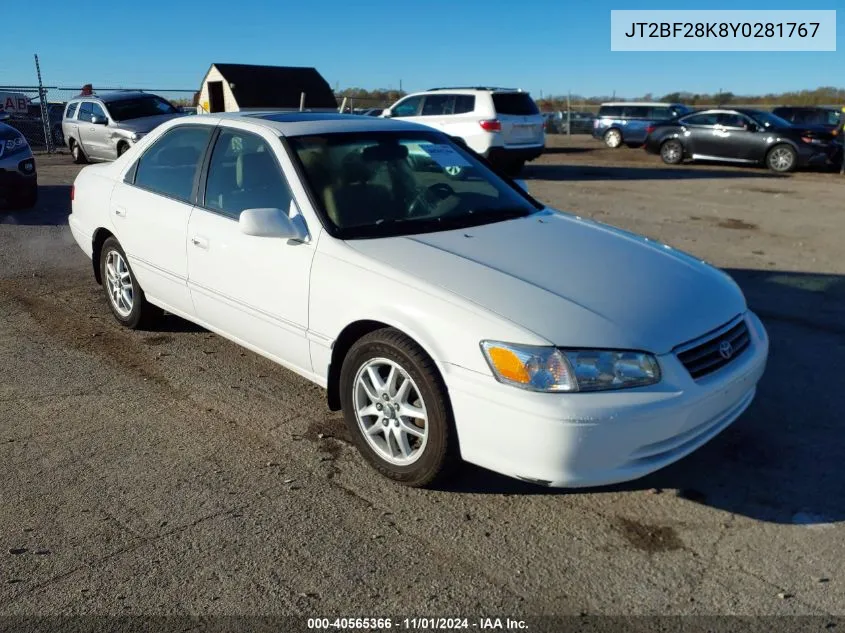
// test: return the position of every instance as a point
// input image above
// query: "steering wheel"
(427, 199)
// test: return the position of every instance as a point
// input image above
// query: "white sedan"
(448, 318)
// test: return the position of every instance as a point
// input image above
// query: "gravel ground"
(173, 473)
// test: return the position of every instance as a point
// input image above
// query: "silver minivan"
(102, 127)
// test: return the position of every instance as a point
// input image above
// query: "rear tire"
(782, 159)
(373, 406)
(123, 293)
(78, 155)
(613, 138)
(672, 152)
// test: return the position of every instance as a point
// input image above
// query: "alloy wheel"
(390, 411)
(119, 284)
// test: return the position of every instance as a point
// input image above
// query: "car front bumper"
(600, 438)
(14, 180)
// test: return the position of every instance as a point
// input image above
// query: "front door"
(94, 136)
(150, 211)
(254, 289)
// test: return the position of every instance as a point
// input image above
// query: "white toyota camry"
(446, 312)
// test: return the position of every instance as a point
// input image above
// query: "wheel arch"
(344, 342)
(100, 236)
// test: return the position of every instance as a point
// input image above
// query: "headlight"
(12, 145)
(551, 369)
(137, 136)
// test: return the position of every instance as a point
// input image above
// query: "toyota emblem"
(726, 349)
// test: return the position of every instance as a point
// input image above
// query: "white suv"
(503, 125)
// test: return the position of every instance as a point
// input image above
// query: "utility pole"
(45, 112)
(569, 113)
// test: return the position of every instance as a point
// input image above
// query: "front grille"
(715, 352)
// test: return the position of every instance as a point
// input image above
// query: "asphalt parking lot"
(173, 473)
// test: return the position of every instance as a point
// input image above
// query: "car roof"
(640, 103)
(117, 95)
(305, 123)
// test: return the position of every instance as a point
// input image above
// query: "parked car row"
(803, 136)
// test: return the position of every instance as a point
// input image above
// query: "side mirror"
(751, 127)
(522, 185)
(386, 113)
(99, 120)
(271, 222)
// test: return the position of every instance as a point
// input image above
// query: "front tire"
(396, 409)
(122, 149)
(123, 293)
(672, 152)
(613, 138)
(782, 158)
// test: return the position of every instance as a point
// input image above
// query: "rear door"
(700, 133)
(522, 123)
(150, 211)
(635, 121)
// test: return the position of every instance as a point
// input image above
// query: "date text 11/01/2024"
(723, 29)
(416, 624)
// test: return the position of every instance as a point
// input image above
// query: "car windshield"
(126, 109)
(382, 184)
(767, 119)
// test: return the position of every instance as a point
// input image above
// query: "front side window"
(408, 107)
(97, 110)
(169, 166)
(379, 184)
(127, 109)
(243, 174)
(610, 111)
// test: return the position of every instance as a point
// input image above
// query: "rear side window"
(785, 113)
(636, 112)
(464, 104)
(706, 118)
(517, 103)
(610, 111)
(71, 110)
(169, 167)
(438, 105)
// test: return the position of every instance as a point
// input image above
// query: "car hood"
(572, 281)
(147, 123)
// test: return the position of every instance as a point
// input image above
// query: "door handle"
(120, 212)
(199, 242)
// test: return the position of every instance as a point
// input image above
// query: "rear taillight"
(649, 130)
(72, 189)
(493, 125)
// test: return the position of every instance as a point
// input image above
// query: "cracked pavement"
(173, 473)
